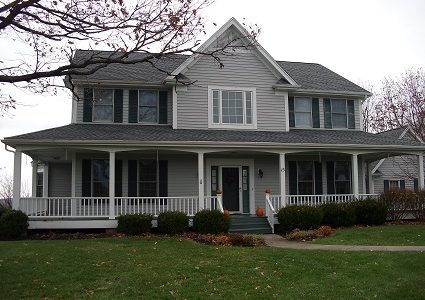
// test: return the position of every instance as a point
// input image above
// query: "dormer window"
(303, 112)
(103, 105)
(232, 107)
(148, 106)
(339, 113)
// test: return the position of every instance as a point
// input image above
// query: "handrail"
(270, 212)
(219, 203)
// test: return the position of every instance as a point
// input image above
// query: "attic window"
(103, 105)
(232, 107)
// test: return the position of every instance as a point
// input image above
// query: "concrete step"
(252, 230)
(249, 224)
(252, 225)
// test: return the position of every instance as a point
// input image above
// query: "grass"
(169, 268)
(386, 235)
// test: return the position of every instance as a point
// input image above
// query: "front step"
(249, 224)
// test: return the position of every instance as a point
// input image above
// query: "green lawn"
(173, 268)
(387, 235)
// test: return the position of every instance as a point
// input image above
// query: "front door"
(230, 183)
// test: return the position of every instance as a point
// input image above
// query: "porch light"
(260, 173)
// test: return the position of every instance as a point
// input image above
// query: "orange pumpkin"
(218, 191)
(267, 190)
(226, 213)
(259, 212)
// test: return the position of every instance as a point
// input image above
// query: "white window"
(339, 113)
(231, 107)
(103, 105)
(302, 107)
(394, 184)
(148, 106)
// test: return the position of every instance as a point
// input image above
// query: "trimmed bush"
(399, 202)
(338, 215)
(134, 224)
(302, 217)
(370, 212)
(418, 210)
(4, 209)
(173, 222)
(210, 221)
(13, 225)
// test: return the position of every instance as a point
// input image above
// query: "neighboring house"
(396, 171)
(150, 143)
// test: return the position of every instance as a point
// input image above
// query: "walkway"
(274, 240)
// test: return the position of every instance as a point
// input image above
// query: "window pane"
(100, 189)
(102, 112)
(148, 114)
(342, 187)
(339, 106)
(305, 170)
(305, 188)
(216, 117)
(339, 121)
(103, 96)
(148, 98)
(232, 107)
(100, 170)
(147, 189)
(147, 170)
(394, 184)
(342, 170)
(302, 104)
(303, 119)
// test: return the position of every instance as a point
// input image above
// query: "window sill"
(232, 126)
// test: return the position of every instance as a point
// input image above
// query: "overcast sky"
(363, 40)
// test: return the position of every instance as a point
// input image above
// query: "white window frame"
(96, 103)
(157, 107)
(211, 124)
(311, 112)
(346, 113)
(394, 180)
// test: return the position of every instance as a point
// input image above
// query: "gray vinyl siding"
(59, 180)
(271, 179)
(241, 70)
(397, 168)
(183, 175)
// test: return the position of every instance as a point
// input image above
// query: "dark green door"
(230, 179)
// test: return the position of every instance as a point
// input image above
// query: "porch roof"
(122, 133)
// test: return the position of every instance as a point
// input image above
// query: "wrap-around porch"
(73, 186)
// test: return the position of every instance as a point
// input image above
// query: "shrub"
(301, 235)
(4, 209)
(173, 222)
(134, 224)
(418, 209)
(210, 221)
(323, 231)
(370, 212)
(13, 224)
(338, 215)
(399, 202)
(302, 217)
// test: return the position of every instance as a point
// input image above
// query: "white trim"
(174, 107)
(377, 166)
(34, 166)
(328, 92)
(204, 47)
(71, 224)
(201, 189)
(111, 185)
(17, 166)
(355, 175)
(46, 180)
(282, 177)
(221, 125)
(225, 162)
(421, 184)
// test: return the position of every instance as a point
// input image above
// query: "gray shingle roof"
(139, 133)
(308, 75)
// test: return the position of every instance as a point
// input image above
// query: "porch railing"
(277, 201)
(98, 207)
(270, 212)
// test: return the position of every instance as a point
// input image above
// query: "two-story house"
(142, 141)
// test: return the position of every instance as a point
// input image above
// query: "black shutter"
(318, 182)
(330, 176)
(163, 99)
(291, 105)
(293, 181)
(315, 112)
(386, 185)
(86, 178)
(416, 184)
(118, 112)
(350, 114)
(118, 178)
(88, 105)
(132, 178)
(163, 178)
(402, 184)
(328, 112)
(133, 106)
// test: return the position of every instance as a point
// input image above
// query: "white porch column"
(364, 170)
(111, 185)
(355, 175)
(370, 177)
(73, 183)
(17, 163)
(282, 173)
(201, 180)
(45, 180)
(421, 172)
(34, 164)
